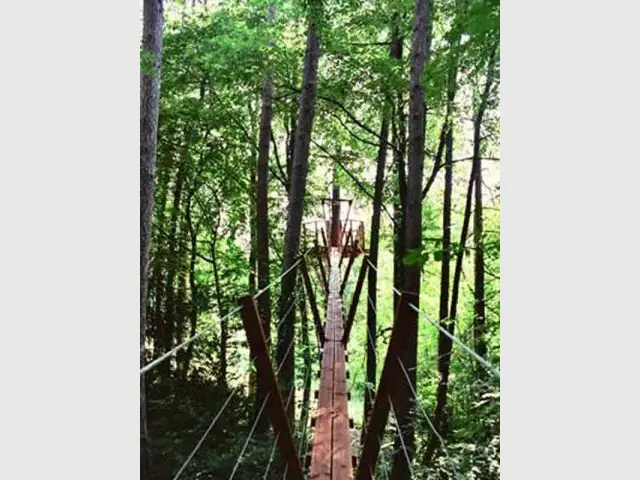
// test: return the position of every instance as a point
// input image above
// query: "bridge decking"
(331, 447)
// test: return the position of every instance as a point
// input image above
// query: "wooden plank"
(342, 468)
(331, 455)
(267, 381)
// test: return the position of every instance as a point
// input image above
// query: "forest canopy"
(252, 114)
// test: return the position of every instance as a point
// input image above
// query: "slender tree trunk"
(193, 288)
(180, 309)
(399, 131)
(262, 209)
(222, 310)
(479, 340)
(444, 343)
(413, 241)
(159, 264)
(172, 264)
(296, 201)
(149, 108)
(373, 277)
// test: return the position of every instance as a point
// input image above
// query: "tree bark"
(373, 277)
(193, 288)
(413, 228)
(444, 343)
(400, 144)
(299, 171)
(159, 264)
(149, 109)
(479, 341)
(262, 209)
(172, 264)
(222, 310)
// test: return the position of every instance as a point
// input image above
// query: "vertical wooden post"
(391, 377)
(352, 258)
(326, 245)
(345, 249)
(267, 381)
(354, 300)
(335, 218)
(312, 300)
(323, 273)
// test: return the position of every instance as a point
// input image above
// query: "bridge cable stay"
(162, 358)
(399, 430)
(255, 423)
(275, 442)
(216, 418)
(415, 396)
(467, 350)
(206, 433)
(385, 461)
(429, 422)
(251, 432)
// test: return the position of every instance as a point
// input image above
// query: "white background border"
(69, 112)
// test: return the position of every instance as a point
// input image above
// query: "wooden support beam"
(323, 273)
(312, 300)
(344, 249)
(326, 245)
(355, 299)
(346, 274)
(267, 381)
(389, 382)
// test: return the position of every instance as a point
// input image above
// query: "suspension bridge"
(334, 241)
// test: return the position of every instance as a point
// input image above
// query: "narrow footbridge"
(335, 245)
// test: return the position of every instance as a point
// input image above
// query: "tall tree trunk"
(149, 108)
(444, 343)
(296, 202)
(373, 277)
(222, 310)
(159, 264)
(413, 241)
(262, 209)
(180, 311)
(193, 288)
(399, 131)
(479, 340)
(172, 263)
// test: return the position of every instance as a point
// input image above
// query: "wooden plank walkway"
(331, 447)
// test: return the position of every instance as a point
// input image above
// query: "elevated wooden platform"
(331, 447)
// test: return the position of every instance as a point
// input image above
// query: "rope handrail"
(162, 358)
(251, 432)
(468, 350)
(404, 447)
(283, 274)
(206, 433)
(429, 422)
(275, 442)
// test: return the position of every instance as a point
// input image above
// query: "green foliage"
(214, 61)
